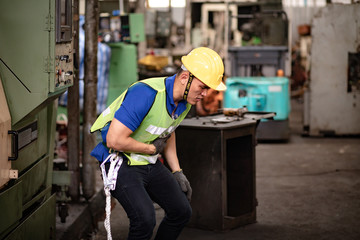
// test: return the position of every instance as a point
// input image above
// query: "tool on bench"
(237, 114)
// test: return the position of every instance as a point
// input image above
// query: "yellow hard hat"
(207, 66)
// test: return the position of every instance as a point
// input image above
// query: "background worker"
(142, 123)
(210, 104)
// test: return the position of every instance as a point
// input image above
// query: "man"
(142, 123)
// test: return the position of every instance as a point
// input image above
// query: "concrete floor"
(308, 188)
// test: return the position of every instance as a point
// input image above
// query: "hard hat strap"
(188, 85)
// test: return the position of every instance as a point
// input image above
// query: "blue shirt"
(137, 103)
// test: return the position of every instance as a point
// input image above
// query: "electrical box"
(132, 27)
(163, 24)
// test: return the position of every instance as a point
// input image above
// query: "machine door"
(24, 39)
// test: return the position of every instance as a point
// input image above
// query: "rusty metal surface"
(90, 92)
(332, 110)
(74, 115)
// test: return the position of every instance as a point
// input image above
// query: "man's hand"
(184, 183)
(160, 143)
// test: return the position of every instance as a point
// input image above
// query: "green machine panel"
(123, 69)
(41, 216)
(137, 30)
(35, 65)
(34, 166)
(11, 207)
(32, 139)
(132, 27)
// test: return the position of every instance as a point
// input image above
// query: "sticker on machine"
(275, 88)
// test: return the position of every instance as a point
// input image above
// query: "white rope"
(108, 213)
(109, 180)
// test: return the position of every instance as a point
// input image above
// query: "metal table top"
(219, 121)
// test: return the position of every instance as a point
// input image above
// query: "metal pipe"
(188, 24)
(90, 93)
(121, 6)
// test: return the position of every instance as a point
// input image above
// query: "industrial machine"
(123, 69)
(257, 70)
(36, 66)
(331, 103)
(264, 94)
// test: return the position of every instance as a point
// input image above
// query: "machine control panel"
(63, 65)
(63, 46)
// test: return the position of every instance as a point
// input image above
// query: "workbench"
(217, 154)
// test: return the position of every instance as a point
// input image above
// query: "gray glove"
(160, 143)
(184, 183)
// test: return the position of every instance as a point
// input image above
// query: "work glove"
(184, 183)
(160, 143)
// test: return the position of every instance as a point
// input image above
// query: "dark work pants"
(136, 189)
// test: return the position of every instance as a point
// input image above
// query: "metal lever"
(15, 146)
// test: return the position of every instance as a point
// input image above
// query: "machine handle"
(15, 147)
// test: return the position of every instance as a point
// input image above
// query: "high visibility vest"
(157, 123)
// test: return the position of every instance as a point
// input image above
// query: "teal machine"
(262, 94)
(36, 66)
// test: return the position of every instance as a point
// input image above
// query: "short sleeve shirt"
(137, 103)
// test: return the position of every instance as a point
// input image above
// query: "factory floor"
(307, 188)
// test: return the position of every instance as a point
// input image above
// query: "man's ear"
(184, 77)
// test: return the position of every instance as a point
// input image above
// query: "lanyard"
(188, 85)
(110, 178)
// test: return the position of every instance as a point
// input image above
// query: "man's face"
(198, 91)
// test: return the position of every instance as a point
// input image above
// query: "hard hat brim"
(221, 87)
